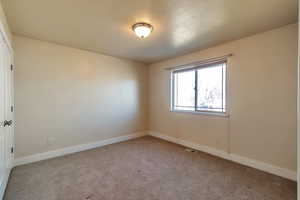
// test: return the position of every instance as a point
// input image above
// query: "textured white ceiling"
(180, 26)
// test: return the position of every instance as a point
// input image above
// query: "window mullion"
(173, 94)
(222, 89)
(196, 89)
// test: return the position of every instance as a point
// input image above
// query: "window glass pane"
(211, 88)
(184, 92)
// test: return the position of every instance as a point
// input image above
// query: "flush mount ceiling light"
(142, 30)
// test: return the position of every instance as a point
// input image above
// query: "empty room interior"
(148, 99)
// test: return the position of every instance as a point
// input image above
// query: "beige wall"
(262, 90)
(65, 96)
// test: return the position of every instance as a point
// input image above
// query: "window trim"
(195, 111)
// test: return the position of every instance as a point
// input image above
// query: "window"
(200, 89)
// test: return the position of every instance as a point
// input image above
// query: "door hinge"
(11, 67)
(12, 150)
(12, 109)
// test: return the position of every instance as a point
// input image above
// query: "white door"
(9, 105)
(6, 114)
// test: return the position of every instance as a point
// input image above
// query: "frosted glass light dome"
(142, 30)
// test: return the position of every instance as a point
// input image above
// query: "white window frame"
(195, 111)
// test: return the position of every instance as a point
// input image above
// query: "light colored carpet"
(144, 169)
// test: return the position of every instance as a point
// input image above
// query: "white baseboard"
(285, 173)
(74, 149)
(4, 183)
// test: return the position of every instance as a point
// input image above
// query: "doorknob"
(7, 123)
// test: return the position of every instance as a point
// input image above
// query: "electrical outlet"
(217, 142)
(50, 141)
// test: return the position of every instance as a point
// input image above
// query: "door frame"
(298, 111)
(6, 40)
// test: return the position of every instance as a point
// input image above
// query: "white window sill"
(201, 113)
